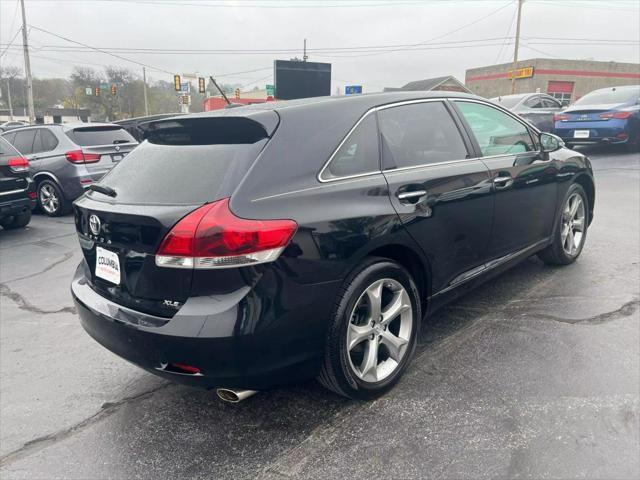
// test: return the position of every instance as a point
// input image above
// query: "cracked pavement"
(535, 374)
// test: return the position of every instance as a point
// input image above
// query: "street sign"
(184, 100)
(271, 90)
(352, 89)
(88, 91)
(104, 86)
(184, 87)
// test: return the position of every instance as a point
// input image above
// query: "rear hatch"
(183, 165)
(102, 146)
(14, 173)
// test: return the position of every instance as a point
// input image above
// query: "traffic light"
(201, 85)
(237, 94)
(97, 91)
(113, 90)
(176, 82)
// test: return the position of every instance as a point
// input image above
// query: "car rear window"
(610, 95)
(88, 136)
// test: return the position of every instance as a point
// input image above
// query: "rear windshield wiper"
(103, 189)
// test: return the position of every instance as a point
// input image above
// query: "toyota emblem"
(94, 224)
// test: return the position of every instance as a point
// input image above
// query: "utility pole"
(27, 66)
(9, 100)
(304, 51)
(515, 50)
(146, 101)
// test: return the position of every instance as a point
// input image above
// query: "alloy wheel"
(49, 199)
(379, 330)
(573, 224)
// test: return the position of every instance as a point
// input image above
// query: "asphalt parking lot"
(536, 374)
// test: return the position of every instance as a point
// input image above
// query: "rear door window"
(358, 154)
(496, 132)
(92, 136)
(419, 134)
(24, 141)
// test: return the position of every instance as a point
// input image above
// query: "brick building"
(566, 80)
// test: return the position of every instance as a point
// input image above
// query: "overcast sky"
(449, 36)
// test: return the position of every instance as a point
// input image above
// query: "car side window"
(551, 103)
(534, 102)
(24, 141)
(496, 132)
(10, 137)
(419, 134)
(358, 154)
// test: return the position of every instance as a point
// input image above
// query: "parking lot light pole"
(146, 100)
(27, 66)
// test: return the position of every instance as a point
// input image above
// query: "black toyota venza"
(249, 248)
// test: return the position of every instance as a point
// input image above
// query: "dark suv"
(253, 247)
(17, 190)
(66, 159)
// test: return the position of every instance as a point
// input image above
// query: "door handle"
(411, 196)
(502, 182)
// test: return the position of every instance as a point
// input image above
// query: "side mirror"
(550, 142)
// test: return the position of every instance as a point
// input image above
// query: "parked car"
(17, 189)
(537, 108)
(248, 248)
(135, 125)
(11, 124)
(605, 116)
(65, 159)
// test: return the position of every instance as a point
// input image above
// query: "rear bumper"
(15, 207)
(212, 334)
(606, 132)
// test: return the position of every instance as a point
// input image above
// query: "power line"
(101, 51)
(506, 37)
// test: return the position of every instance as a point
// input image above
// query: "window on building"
(562, 91)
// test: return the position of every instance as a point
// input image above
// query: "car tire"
(366, 356)
(16, 221)
(51, 200)
(571, 231)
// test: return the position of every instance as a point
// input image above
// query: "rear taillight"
(18, 164)
(78, 156)
(617, 115)
(559, 117)
(213, 237)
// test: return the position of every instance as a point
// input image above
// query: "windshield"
(179, 174)
(88, 136)
(610, 95)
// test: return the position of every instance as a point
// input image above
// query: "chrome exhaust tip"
(234, 396)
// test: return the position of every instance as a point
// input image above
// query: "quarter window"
(496, 132)
(358, 154)
(419, 134)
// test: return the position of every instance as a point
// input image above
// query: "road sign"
(271, 91)
(184, 87)
(352, 89)
(184, 100)
(104, 86)
(88, 91)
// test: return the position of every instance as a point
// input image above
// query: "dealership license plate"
(117, 158)
(581, 134)
(107, 265)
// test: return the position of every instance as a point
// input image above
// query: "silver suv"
(66, 159)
